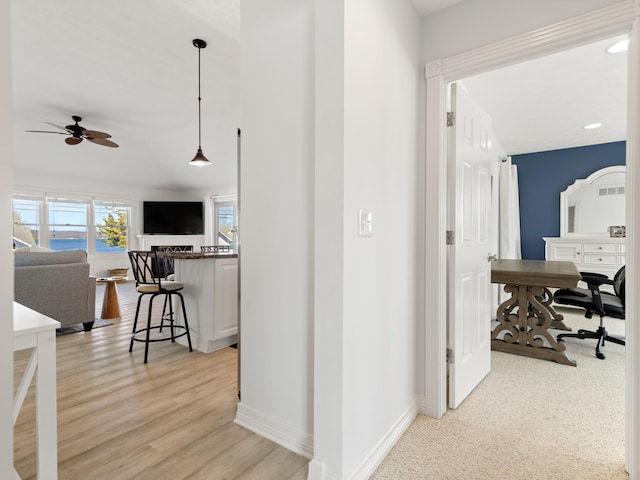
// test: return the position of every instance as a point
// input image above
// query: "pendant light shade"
(199, 160)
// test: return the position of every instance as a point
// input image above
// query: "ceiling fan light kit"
(199, 160)
(77, 133)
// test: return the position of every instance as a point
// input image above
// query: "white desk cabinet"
(590, 254)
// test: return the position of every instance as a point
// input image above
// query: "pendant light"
(199, 160)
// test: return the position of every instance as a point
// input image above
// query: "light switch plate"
(365, 223)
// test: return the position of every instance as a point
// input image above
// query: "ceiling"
(544, 104)
(130, 69)
(427, 7)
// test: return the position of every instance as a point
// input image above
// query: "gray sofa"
(56, 284)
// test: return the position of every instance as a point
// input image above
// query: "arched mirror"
(593, 204)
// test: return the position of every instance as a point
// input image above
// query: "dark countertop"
(195, 255)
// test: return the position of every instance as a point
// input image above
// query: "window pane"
(226, 229)
(67, 225)
(25, 222)
(67, 238)
(111, 228)
(66, 213)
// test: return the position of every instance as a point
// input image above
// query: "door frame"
(607, 22)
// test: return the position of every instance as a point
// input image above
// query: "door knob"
(491, 258)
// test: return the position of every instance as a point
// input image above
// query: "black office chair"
(595, 301)
(144, 265)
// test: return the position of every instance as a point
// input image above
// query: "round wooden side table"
(110, 302)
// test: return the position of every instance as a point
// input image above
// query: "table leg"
(526, 332)
(110, 302)
(557, 323)
(46, 407)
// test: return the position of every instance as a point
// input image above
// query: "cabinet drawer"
(595, 259)
(600, 248)
(568, 252)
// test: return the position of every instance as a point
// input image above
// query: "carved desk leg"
(547, 299)
(525, 332)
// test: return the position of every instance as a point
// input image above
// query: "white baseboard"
(375, 457)
(421, 401)
(316, 471)
(275, 430)
(302, 442)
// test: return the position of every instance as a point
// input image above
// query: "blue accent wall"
(541, 178)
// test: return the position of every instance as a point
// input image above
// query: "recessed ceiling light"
(621, 46)
(591, 126)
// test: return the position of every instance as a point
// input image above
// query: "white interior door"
(469, 267)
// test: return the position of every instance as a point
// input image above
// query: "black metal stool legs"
(186, 323)
(170, 317)
(135, 323)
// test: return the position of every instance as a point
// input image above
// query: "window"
(26, 220)
(67, 223)
(110, 227)
(226, 223)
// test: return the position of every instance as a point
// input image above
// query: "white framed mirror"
(591, 205)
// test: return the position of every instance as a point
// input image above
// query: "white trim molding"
(632, 192)
(622, 17)
(435, 243)
(376, 455)
(275, 430)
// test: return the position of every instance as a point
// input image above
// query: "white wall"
(382, 81)
(472, 24)
(329, 128)
(276, 221)
(6, 257)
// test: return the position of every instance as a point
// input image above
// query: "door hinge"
(451, 119)
(451, 238)
(450, 356)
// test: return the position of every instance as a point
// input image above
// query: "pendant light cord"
(199, 110)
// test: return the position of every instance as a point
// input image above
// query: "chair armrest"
(595, 279)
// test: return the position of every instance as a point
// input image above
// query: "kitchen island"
(211, 298)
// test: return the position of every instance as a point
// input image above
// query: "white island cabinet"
(211, 299)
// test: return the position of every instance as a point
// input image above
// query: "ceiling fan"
(78, 133)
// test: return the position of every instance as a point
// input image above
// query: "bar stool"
(143, 264)
(166, 270)
(167, 263)
(215, 249)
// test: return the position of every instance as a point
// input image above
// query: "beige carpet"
(529, 419)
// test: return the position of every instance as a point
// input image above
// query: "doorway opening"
(588, 28)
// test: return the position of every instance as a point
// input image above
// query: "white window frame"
(44, 227)
(217, 204)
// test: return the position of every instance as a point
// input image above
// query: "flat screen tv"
(173, 218)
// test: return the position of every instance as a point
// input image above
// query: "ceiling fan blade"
(58, 126)
(46, 131)
(72, 140)
(103, 141)
(95, 134)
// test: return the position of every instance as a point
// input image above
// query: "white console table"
(38, 332)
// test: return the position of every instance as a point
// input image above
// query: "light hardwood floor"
(119, 419)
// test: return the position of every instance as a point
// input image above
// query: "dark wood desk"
(525, 318)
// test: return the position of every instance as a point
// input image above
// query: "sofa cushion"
(25, 259)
